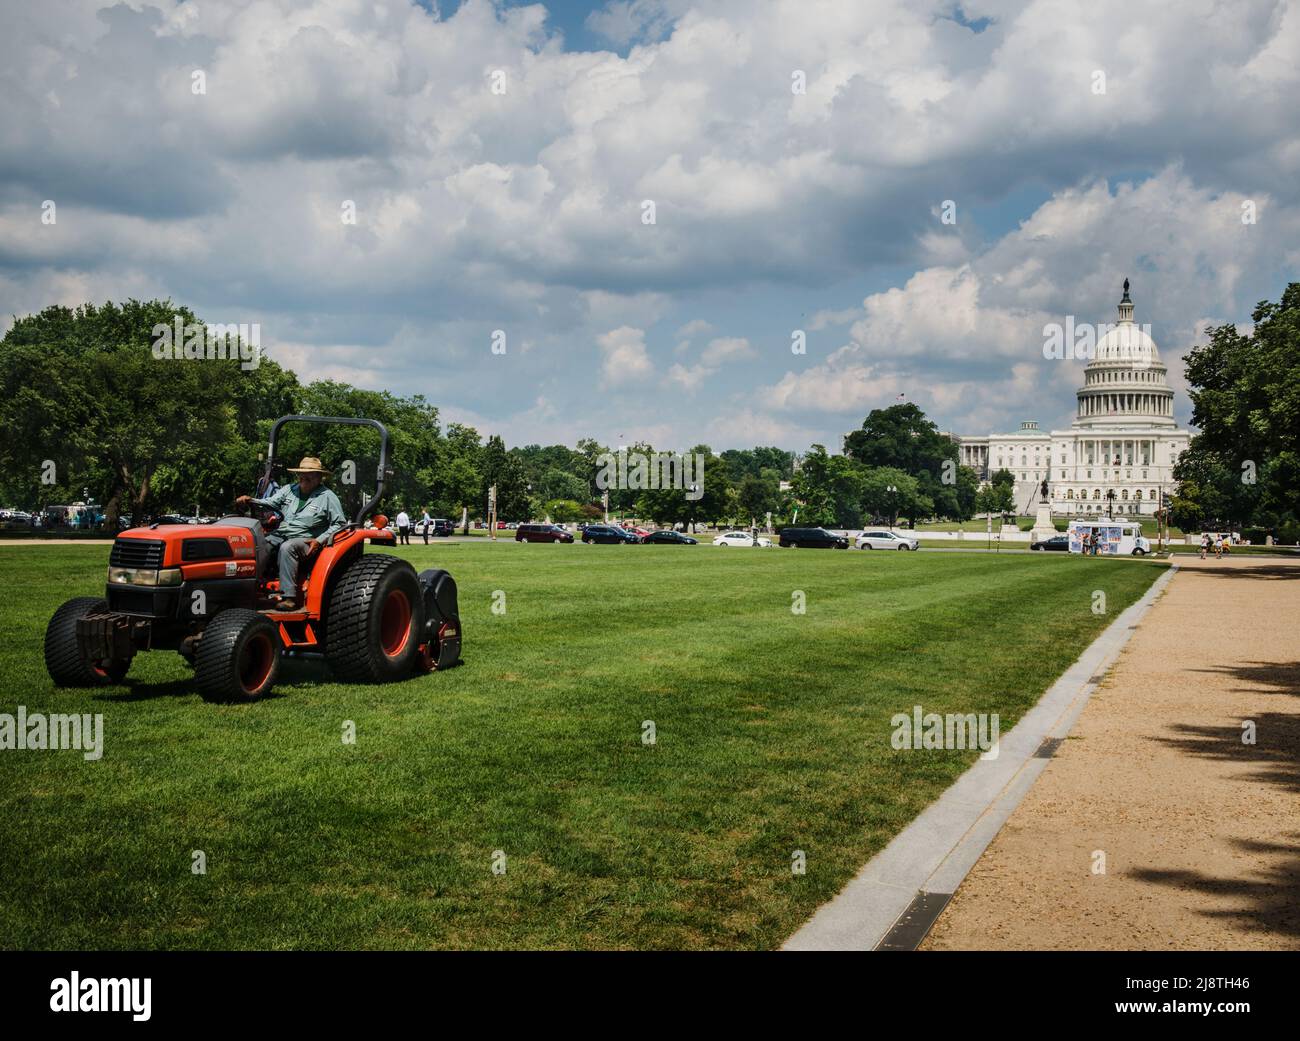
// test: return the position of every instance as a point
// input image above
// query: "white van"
(1113, 537)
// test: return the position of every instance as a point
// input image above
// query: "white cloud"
(625, 359)
(521, 210)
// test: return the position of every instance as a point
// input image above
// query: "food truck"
(1114, 537)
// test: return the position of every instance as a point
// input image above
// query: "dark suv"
(812, 538)
(541, 533)
(607, 534)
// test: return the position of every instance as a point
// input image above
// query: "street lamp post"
(1110, 503)
(893, 506)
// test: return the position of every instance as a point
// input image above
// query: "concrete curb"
(933, 854)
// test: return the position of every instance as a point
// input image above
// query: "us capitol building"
(1123, 438)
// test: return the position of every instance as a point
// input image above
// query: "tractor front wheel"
(67, 666)
(375, 619)
(238, 656)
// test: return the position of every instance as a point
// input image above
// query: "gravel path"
(1200, 831)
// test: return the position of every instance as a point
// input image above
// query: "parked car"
(812, 538)
(1056, 544)
(441, 527)
(882, 538)
(741, 538)
(541, 533)
(670, 538)
(607, 534)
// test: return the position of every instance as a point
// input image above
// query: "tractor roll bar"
(381, 474)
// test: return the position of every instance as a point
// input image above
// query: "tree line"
(91, 414)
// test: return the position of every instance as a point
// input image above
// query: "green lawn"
(772, 736)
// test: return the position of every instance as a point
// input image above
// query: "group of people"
(1091, 541)
(403, 524)
(1214, 542)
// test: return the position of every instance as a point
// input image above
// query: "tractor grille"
(133, 601)
(146, 553)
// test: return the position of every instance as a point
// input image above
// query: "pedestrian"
(403, 528)
(425, 524)
(1218, 547)
(1205, 545)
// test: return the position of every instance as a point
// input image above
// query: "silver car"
(879, 538)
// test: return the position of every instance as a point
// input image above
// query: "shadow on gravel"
(1269, 898)
(1265, 572)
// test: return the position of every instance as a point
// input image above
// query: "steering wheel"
(269, 517)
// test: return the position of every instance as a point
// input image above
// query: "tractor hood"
(173, 545)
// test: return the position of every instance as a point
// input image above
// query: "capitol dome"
(1126, 342)
(1125, 384)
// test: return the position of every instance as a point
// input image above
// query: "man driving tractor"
(312, 516)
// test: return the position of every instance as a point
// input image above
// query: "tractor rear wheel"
(67, 666)
(376, 615)
(238, 656)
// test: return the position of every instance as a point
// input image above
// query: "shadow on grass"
(294, 672)
(1269, 899)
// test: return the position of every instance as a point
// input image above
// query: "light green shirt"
(318, 516)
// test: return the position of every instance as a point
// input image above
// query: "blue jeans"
(290, 554)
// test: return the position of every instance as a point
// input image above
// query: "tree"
(900, 436)
(561, 484)
(83, 390)
(689, 506)
(995, 498)
(1245, 391)
(564, 511)
(758, 495)
(829, 488)
(507, 473)
(906, 498)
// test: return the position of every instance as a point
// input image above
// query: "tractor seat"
(261, 548)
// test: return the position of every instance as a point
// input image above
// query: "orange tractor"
(208, 592)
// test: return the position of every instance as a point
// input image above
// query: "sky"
(499, 156)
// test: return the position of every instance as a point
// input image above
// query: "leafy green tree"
(497, 467)
(564, 511)
(1245, 391)
(906, 498)
(757, 494)
(996, 498)
(672, 506)
(1005, 477)
(830, 489)
(561, 484)
(902, 437)
(965, 490)
(83, 390)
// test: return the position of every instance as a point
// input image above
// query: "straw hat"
(309, 465)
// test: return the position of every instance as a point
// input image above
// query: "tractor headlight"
(140, 576)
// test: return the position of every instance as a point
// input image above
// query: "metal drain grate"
(914, 923)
